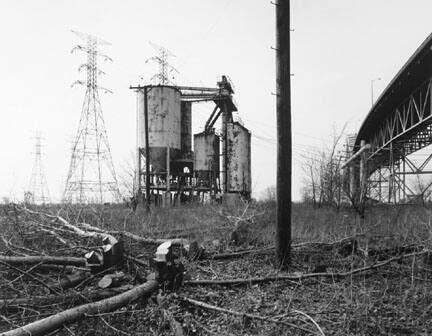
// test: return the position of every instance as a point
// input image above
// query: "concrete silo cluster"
(218, 164)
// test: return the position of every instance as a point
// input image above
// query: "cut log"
(113, 253)
(47, 260)
(111, 280)
(51, 323)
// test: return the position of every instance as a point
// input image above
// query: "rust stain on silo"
(186, 129)
(239, 159)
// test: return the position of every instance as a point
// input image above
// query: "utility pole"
(147, 150)
(283, 112)
(143, 90)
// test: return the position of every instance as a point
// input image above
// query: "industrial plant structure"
(169, 169)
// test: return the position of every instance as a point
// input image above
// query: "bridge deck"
(400, 120)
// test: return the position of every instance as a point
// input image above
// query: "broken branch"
(43, 260)
(90, 295)
(236, 313)
(227, 282)
(53, 322)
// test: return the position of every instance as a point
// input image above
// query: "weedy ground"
(395, 299)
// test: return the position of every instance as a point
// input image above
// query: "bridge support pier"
(403, 180)
(363, 172)
(352, 181)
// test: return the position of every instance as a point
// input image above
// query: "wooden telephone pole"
(147, 149)
(283, 112)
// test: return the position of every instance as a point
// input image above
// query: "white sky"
(338, 46)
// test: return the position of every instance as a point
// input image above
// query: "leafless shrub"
(322, 183)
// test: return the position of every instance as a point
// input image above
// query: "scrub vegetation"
(348, 275)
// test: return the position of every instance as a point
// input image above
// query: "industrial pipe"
(356, 155)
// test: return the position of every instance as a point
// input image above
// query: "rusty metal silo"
(206, 158)
(239, 159)
(164, 125)
(186, 129)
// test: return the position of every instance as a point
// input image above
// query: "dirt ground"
(392, 297)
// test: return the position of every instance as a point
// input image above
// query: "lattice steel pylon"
(91, 177)
(38, 192)
(163, 77)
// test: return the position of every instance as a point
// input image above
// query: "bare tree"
(322, 184)
(269, 194)
(423, 190)
(127, 177)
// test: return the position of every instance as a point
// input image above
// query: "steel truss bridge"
(399, 124)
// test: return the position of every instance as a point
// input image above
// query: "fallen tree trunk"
(58, 268)
(242, 314)
(150, 241)
(237, 254)
(89, 295)
(51, 323)
(299, 277)
(92, 231)
(43, 260)
(241, 253)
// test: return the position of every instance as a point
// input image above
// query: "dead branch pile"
(48, 262)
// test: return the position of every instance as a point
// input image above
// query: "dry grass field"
(347, 277)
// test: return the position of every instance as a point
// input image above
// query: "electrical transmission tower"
(38, 192)
(91, 177)
(164, 76)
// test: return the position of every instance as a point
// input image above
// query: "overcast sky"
(338, 46)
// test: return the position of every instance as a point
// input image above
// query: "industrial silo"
(206, 159)
(239, 159)
(186, 129)
(164, 129)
